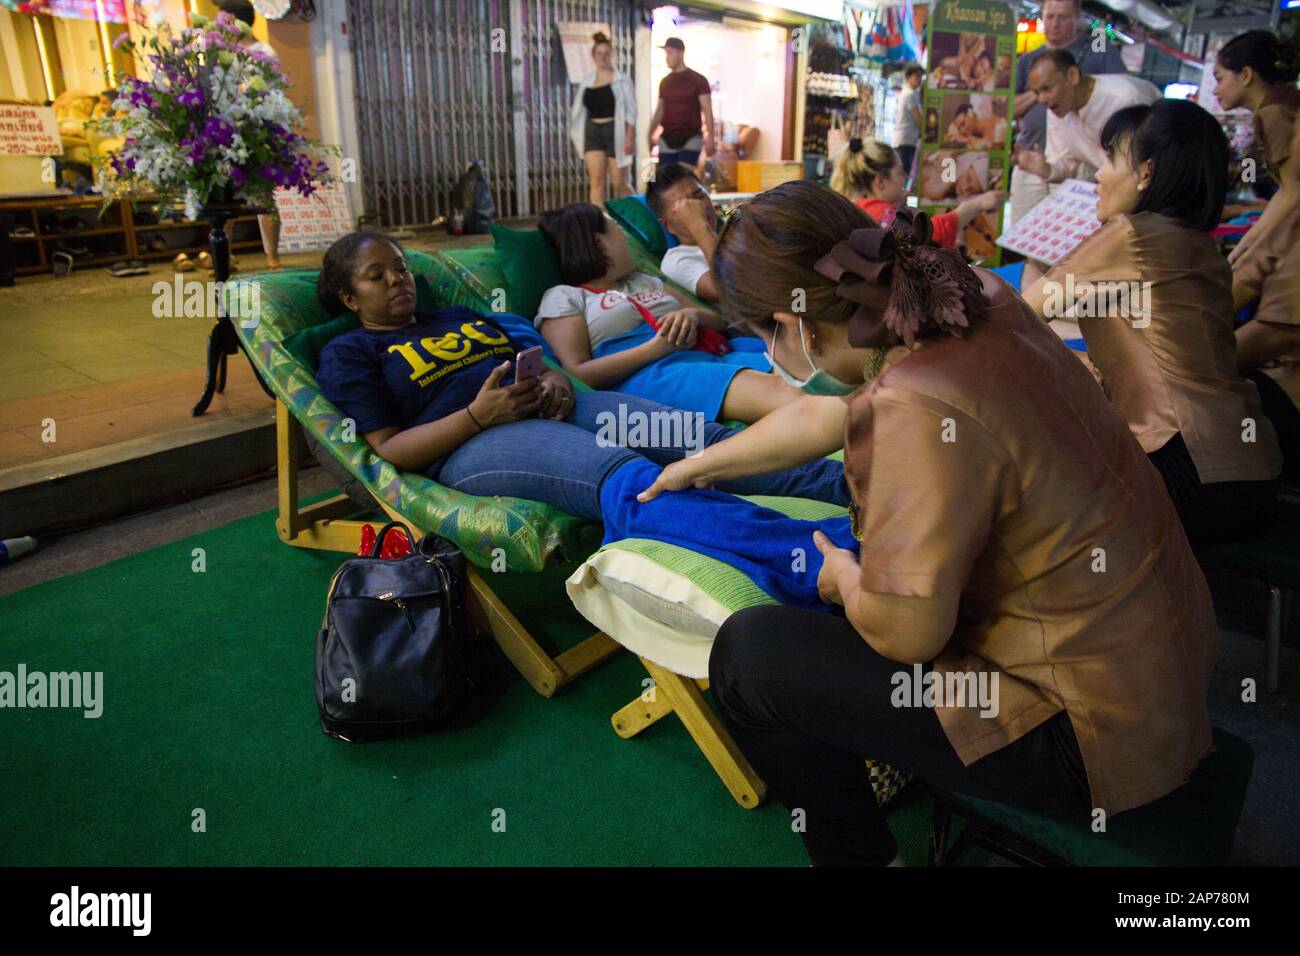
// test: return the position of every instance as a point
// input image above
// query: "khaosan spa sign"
(968, 112)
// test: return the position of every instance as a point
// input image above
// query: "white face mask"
(820, 382)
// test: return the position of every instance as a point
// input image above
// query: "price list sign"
(311, 223)
(1053, 228)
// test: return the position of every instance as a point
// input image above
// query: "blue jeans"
(564, 463)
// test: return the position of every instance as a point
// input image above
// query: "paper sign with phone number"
(29, 131)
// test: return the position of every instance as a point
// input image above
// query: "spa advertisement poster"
(967, 114)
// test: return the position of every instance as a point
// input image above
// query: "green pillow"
(634, 215)
(306, 344)
(425, 300)
(527, 259)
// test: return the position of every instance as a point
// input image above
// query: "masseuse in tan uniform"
(990, 476)
(1166, 353)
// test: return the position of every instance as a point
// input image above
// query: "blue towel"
(759, 542)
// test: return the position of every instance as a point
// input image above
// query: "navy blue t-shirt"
(416, 374)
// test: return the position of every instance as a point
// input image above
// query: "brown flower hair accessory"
(902, 283)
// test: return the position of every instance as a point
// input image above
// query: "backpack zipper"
(406, 613)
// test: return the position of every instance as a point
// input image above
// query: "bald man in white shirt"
(1078, 106)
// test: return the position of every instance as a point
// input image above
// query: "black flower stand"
(223, 340)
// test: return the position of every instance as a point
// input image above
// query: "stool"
(1271, 557)
(1193, 826)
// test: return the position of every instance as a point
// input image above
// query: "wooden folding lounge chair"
(665, 604)
(527, 532)
(525, 535)
(469, 277)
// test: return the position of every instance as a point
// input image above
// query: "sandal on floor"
(183, 263)
(204, 259)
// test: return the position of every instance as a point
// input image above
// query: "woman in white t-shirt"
(601, 325)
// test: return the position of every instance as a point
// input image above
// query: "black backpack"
(472, 198)
(394, 653)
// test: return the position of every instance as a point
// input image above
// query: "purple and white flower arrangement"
(211, 123)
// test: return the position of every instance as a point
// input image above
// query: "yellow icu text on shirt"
(451, 351)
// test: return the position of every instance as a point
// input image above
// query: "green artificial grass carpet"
(208, 704)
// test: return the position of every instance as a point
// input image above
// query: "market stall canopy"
(777, 11)
(1150, 15)
(112, 11)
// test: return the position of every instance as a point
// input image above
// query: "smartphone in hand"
(528, 363)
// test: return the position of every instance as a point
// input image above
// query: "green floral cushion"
(531, 533)
(267, 309)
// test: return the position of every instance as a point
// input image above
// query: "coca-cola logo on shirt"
(610, 298)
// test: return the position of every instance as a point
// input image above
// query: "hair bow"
(902, 283)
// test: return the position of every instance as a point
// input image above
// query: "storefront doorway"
(747, 64)
(435, 93)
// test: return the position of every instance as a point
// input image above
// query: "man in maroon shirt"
(684, 97)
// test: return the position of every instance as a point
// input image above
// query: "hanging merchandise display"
(831, 93)
(892, 37)
(837, 137)
(966, 139)
(912, 46)
(883, 39)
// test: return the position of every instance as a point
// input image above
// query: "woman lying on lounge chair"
(599, 324)
(435, 393)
